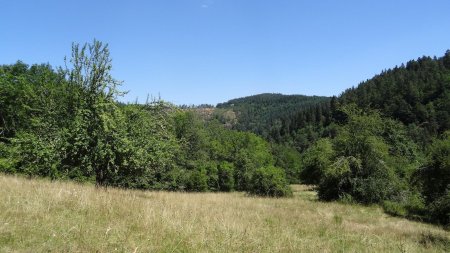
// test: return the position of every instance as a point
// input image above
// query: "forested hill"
(416, 93)
(387, 141)
(261, 113)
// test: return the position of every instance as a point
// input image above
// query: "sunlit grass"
(38, 215)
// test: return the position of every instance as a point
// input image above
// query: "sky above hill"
(210, 51)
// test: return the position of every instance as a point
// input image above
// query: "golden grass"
(38, 216)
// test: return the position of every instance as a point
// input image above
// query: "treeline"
(67, 124)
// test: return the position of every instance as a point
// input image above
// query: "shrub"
(335, 183)
(6, 163)
(440, 210)
(34, 156)
(363, 168)
(269, 181)
(197, 181)
(435, 175)
(434, 179)
(226, 176)
(394, 208)
(315, 160)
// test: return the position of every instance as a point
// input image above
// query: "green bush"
(394, 208)
(315, 160)
(435, 175)
(440, 210)
(226, 176)
(289, 159)
(335, 183)
(34, 156)
(434, 180)
(363, 168)
(6, 163)
(269, 181)
(197, 181)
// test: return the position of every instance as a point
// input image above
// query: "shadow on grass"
(429, 239)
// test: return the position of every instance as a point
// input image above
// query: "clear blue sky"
(209, 51)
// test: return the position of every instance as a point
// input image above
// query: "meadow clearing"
(38, 215)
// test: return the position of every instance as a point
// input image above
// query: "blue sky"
(210, 51)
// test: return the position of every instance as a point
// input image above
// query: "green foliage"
(362, 168)
(316, 160)
(226, 176)
(435, 175)
(97, 130)
(269, 181)
(335, 183)
(434, 180)
(440, 209)
(394, 208)
(197, 181)
(7, 164)
(151, 148)
(68, 124)
(289, 159)
(417, 93)
(35, 157)
(263, 114)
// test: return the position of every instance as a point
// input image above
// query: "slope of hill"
(42, 216)
(261, 113)
(416, 93)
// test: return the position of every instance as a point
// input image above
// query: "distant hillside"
(260, 113)
(417, 93)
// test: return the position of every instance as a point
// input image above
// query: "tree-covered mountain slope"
(416, 93)
(262, 113)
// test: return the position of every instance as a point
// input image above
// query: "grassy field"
(38, 215)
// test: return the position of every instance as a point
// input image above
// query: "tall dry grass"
(38, 216)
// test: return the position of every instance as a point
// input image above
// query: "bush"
(335, 183)
(289, 159)
(226, 176)
(434, 181)
(435, 175)
(197, 181)
(394, 208)
(269, 181)
(6, 163)
(34, 156)
(440, 210)
(315, 160)
(363, 167)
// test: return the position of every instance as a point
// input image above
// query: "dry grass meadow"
(42, 216)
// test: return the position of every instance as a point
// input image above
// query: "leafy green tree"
(226, 176)
(289, 159)
(435, 174)
(269, 181)
(362, 169)
(434, 179)
(316, 160)
(197, 180)
(96, 135)
(152, 148)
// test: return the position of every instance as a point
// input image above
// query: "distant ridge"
(258, 113)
